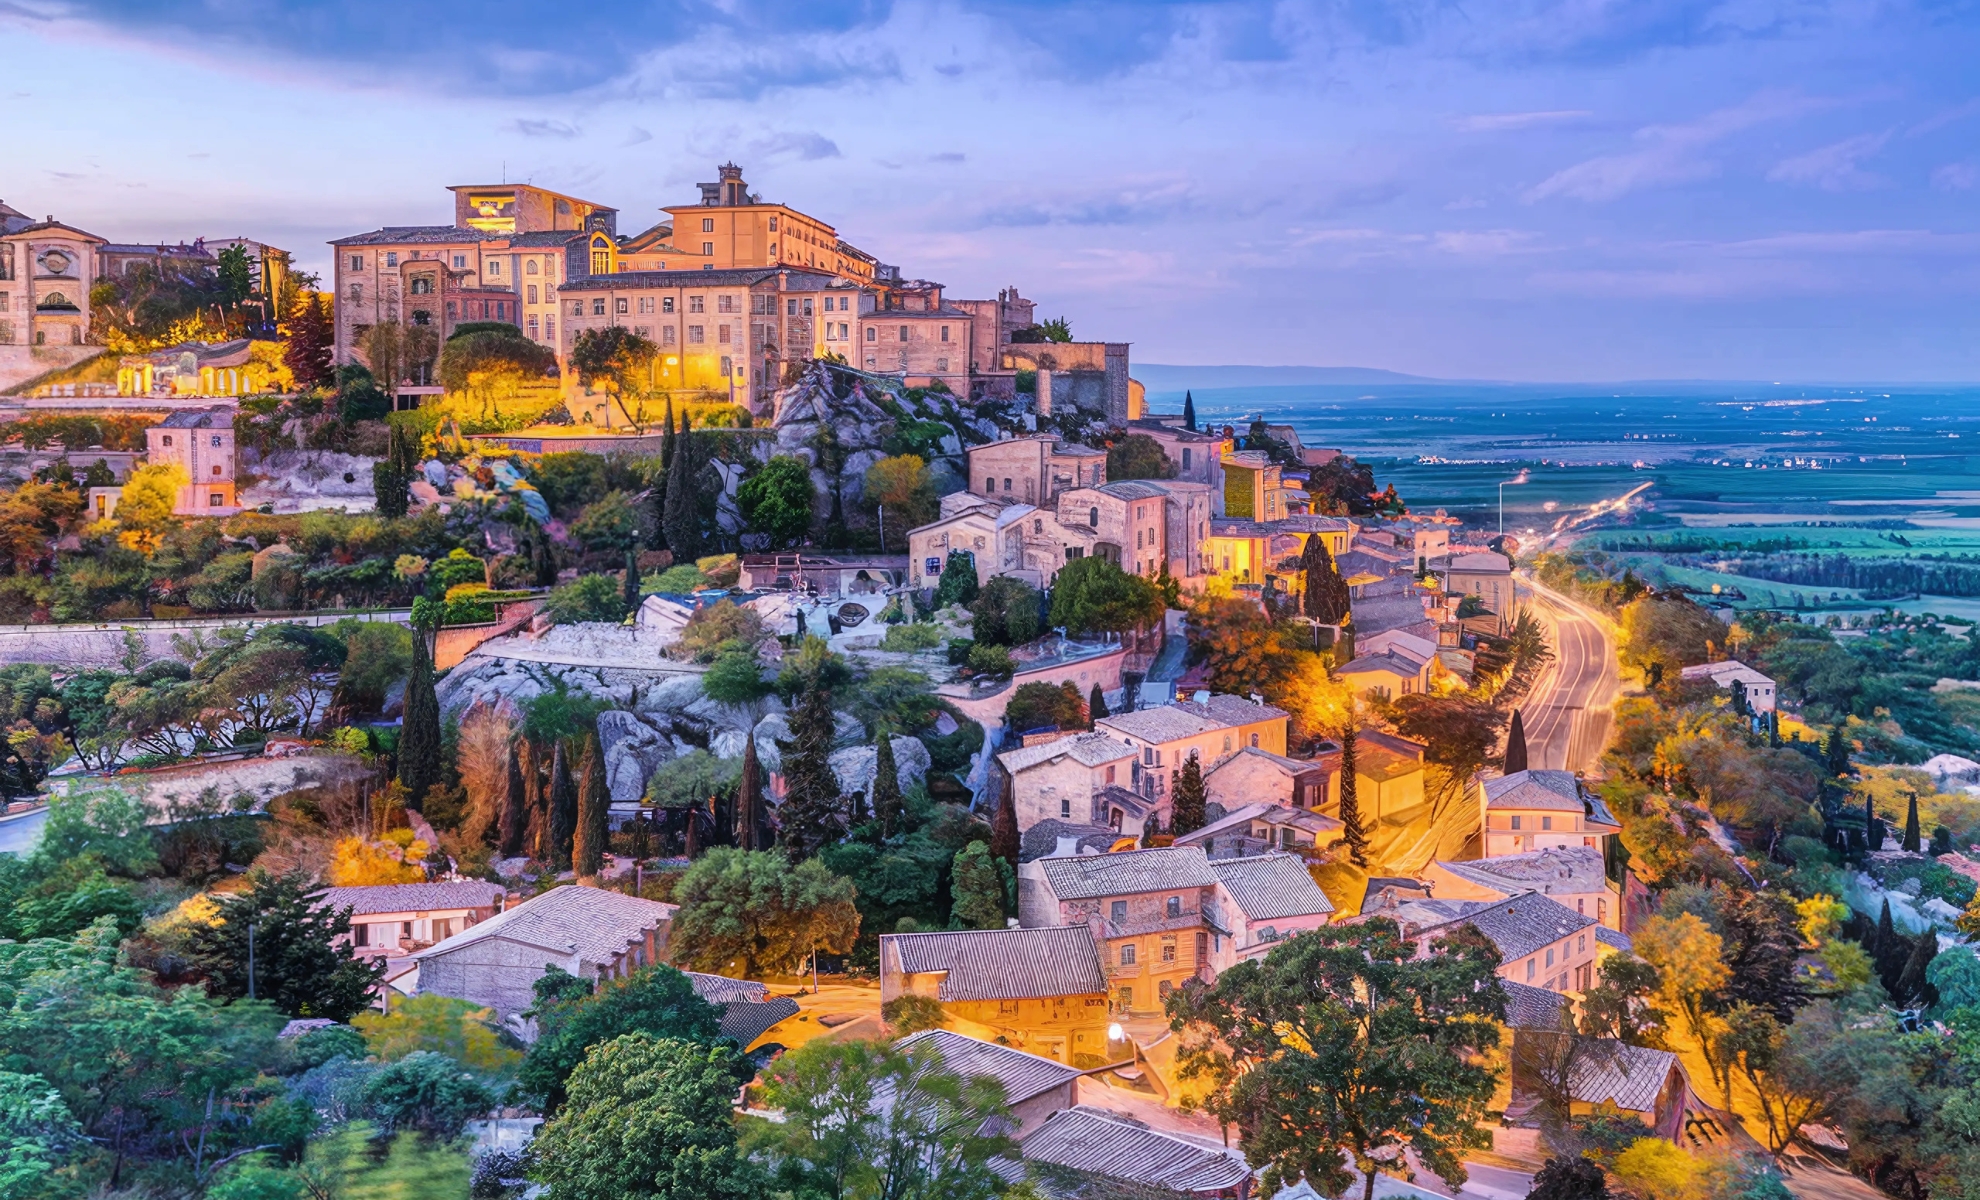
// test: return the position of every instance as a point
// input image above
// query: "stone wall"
(19, 363)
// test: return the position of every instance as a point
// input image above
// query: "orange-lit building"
(732, 227)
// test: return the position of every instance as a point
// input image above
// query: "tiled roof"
(1375, 614)
(40, 226)
(732, 277)
(398, 235)
(1555, 869)
(1615, 939)
(1091, 749)
(1390, 661)
(1043, 838)
(1556, 790)
(1629, 1076)
(1291, 766)
(545, 237)
(1166, 868)
(1517, 926)
(1529, 1007)
(1271, 886)
(1091, 1139)
(590, 922)
(1187, 718)
(720, 989)
(1240, 819)
(1724, 672)
(1004, 964)
(1484, 563)
(744, 1021)
(1023, 1075)
(412, 897)
(1132, 489)
(1130, 803)
(194, 418)
(1311, 523)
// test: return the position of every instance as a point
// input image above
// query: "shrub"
(680, 578)
(912, 1014)
(1006, 612)
(428, 1092)
(1037, 705)
(909, 639)
(992, 660)
(959, 649)
(710, 629)
(587, 598)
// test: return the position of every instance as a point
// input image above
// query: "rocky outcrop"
(855, 765)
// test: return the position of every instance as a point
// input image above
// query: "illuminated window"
(1168, 955)
(601, 261)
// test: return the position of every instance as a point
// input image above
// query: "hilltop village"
(702, 712)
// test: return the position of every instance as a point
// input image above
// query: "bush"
(1006, 612)
(1038, 705)
(427, 1092)
(911, 1014)
(711, 629)
(681, 579)
(587, 598)
(992, 660)
(910, 639)
(959, 649)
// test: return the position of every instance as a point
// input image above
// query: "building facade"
(200, 442)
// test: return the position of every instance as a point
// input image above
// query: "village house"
(1257, 775)
(909, 331)
(993, 533)
(1388, 773)
(1254, 490)
(1125, 523)
(1206, 727)
(1386, 674)
(748, 1010)
(1145, 909)
(1041, 990)
(1098, 1142)
(1484, 574)
(47, 269)
(1259, 902)
(1197, 457)
(1536, 809)
(1760, 690)
(1259, 827)
(1541, 943)
(1573, 875)
(1034, 468)
(586, 931)
(200, 442)
(1060, 778)
(393, 920)
(1034, 1087)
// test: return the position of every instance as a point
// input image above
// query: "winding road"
(1567, 717)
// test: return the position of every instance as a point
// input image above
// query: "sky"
(1543, 190)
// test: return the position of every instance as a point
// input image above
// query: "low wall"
(235, 784)
(103, 644)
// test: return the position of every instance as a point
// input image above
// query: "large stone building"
(1039, 990)
(200, 442)
(46, 271)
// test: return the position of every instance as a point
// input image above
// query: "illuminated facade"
(732, 228)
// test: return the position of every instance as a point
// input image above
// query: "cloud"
(541, 128)
(948, 157)
(1834, 167)
(805, 147)
(1145, 204)
(636, 136)
(1956, 177)
(1502, 122)
(1670, 154)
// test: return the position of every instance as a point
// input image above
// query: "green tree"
(756, 911)
(1569, 1178)
(776, 500)
(735, 677)
(977, 888)
(681, 515)
(1138, 456)
(1096, 706)
(867, 1119)
(610, 525)
(419, 741)
(563, 804)
(1189, 411)
(902, 487)
(463, 1031)
(1666, 633)
(586, 598)
(234, 273)
(1912, 842)
(621, 361)
(37, 1130)
(888, 808)
(1187, 798)
(299, 966)
(648, 1117)
(1005, 612)
(813, 815)
(426, 1092)
(572, 1019)
(629, 583)
(1343, 1047)
(392, 477)
(958, 585)
(750, 818)
(594, 799)
(1326, 596)
(485, 366)
(1037, 705)
(1092, 595)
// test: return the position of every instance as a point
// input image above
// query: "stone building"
(1038, 990)
(1208, 728)
(1035, 468)
(1059, 779)
(1145, 909)
(395, 920)
(1090, 376)
(199, 442)
(1536, 810)
(46, 271)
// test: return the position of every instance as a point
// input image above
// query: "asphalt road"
(1568, 715)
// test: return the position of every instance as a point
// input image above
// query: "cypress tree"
(1837, 752)
(1884, 935)
(1005, 840)
(1516, 745)
(1352, 834)
(812, 815)
(419, 737)
(392, 476)
(1913, 989)
(1326, 598)
(1189, 411)
(749, 799)
(887, 804)
(682, 518)
(513, 821)
(1186, 798)
(632, 582)
(536, 831)
(1911, 840)
(594, 799)
(563, 810)
(1096, 706)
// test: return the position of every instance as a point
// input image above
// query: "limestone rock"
(633, 751)
(855, 765)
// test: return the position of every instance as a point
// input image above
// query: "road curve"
(1567, 718)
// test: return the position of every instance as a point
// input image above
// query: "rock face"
(633, 751)
(855, 765)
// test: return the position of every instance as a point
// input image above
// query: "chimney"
(1044, 393)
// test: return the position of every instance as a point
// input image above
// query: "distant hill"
(1162, 377)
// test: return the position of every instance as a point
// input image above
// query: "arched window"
(55, 300)
(530, 269)
(1093, 518)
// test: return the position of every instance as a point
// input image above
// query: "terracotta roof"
(1271, 886)
(1105, 1143)
(1043, 838)
(1093, 876)
(1517, 926)
(590, 922)
(1629, 1076)
(1004, 964)
(1556, 790)
(1023, 1075)
(412, 897)
(1090, 749)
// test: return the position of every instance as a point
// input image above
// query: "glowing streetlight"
(1517, 479)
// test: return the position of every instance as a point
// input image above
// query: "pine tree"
(1326, 598)
(1913, 989)
(563, 810)
(594, 801)
(307, 354)
(749, 798)
(1189, 411)
(1873, 829)
(813, 814)
(392, 476)
(632, 582)
(1096, 706)
(1352, 834)
(1186, 798)
(419, 738)
(1516, 745)
(978, 893)
(513, 820)
(1911, 839)
(887, 805)
(1005, 840)
(683, 515)
(1836, 753)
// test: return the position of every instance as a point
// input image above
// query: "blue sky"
(1526, 189)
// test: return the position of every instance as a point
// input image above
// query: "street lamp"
(1517, 479)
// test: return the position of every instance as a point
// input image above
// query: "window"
(360, 935)
(1110, 774)
(945, 333)
(392, 258)
(601, 261)
(1550, 956)
(421, 316)
(725, 304)
(532, 293)
(532, 330)
(728, 369)
(619, 305)
(460, 262)
(646, 304)
(708, 224)
(1546, 823)
(1254, 741)
(550, 329)
(773, 224)
(1601, 910)
(1529, 970)
(697, 334)
(529, 268)
(1581, 944)
(357, 293)
(697, 304)
(216, 500)
(1173, 906)
(708, 250)
(167, 440)
(666, 304)
(1065, 806)
(1127, 955)
(1127, 997)
(904, 333)
(1185, 458)
(872, 334)
(644, 331)
(577, 308)
(216, 469)
(494, 266)
(1515, 821)
(666, 335)
(942, 364)
(422, 285)
(1093, 517)
(598, 307)
(1581, 906)
(1118, 910)
(357, 264)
